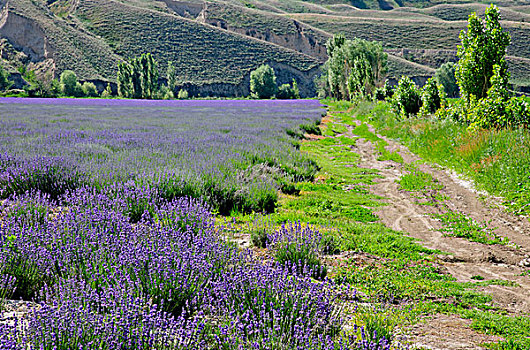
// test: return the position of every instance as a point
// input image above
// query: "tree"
(171, 77)
(407, 98)
(360, 78)
(446, 77)
(483, 46)
(296, 90)
(183, 95)
(69, 83)
(5, 83)
(138, 78)
(355, 67)
(107, 93)
(263, 82)
(431, 97)
(124, 80)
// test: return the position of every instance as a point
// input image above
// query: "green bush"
(107, 93)
(446, 77)
(263, 82)
(288, 92)
(89, 89)
(183, 95)
(383, 92)
(407, 98)
(78, 90)
(499, 109)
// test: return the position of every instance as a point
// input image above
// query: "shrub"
(285, 92)
(383, 92)
(89, 89)
(499, 109)
(183, 95)
(78, 90)
(107, 93)
(407, 98)
(263, 82)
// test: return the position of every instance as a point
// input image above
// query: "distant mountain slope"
(216, 43)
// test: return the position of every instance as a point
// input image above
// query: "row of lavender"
(233, 154)
(112, 262)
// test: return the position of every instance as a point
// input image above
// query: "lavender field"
(108, 237)
(232, 154)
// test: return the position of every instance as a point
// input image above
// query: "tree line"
(355, 70)
(139, 78)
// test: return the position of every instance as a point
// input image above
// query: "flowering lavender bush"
(298, 248)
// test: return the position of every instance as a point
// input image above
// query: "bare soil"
(404, 212)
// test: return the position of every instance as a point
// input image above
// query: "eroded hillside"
(216, 43)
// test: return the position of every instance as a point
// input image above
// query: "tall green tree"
(483, 46)
(138, 78)
(124, 80)
(5, 83)
(445, 75)
(69, 83)
(263, 82)
(171, 76)
(354, 67)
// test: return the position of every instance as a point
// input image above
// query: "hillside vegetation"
(216, 43)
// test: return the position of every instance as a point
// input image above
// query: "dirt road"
(465, 259)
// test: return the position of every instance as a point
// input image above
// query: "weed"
(459, 225)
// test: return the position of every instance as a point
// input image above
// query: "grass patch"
(497, 160)
(459, 225)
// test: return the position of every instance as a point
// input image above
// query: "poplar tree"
(483, 46)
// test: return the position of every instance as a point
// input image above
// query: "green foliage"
(359, 79)
(459, 225)
(69, 83)
(499, 109)
(107, 93)
(263, 82)
(288, 92)
(5, 83)
(383, 92)
(183, 94)
(89, 89)
(354, 67)
(407, 98)
(171, 76)
(432, 97)
(483, 46)
(138, 78)
(124, 80)
(445, 75)
(45, 87)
